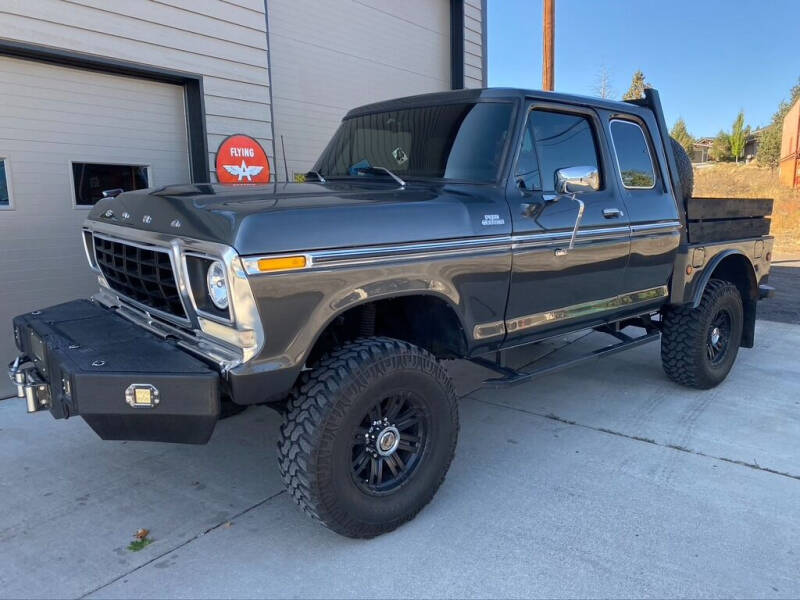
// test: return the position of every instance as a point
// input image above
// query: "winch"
(30, 384)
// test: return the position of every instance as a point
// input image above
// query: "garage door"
(65, 136)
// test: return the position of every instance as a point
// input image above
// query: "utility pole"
(549, 24)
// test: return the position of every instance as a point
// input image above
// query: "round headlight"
(217, 288)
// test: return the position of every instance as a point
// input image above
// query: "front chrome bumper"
(29, 383)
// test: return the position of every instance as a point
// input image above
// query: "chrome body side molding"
(483, 331)
(655, 228)
(535, 240)
(420, 251)
(370, 255)
(586, 309)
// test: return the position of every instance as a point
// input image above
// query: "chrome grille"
(141, 274)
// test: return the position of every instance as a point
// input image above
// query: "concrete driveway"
(603, 481)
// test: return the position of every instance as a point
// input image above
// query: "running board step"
(511, 377)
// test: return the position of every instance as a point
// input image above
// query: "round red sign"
(241, 159)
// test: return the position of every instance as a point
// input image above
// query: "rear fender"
(734, 266)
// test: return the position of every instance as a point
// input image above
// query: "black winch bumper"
(80, 358)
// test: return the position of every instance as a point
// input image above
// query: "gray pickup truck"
(451, 225)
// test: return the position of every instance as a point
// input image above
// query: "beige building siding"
(348, 54)
(474, 64)
(225, 41)
(353, 53)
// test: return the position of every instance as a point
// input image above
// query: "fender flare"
(705, 277)
(421, 292)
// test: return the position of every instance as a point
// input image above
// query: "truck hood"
(289, 217)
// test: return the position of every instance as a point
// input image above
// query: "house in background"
(701, 149)
(751, 144)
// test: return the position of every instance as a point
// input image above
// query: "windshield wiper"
(318, 175)
(384, 171)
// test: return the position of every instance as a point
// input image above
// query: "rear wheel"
(699, 345)
(368, 436)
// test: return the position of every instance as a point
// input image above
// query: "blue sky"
(707, 58)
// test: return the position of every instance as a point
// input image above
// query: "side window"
(5, 196)
(527, 165)
(562, 140)
(633, 155)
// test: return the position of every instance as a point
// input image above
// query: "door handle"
(612, 213)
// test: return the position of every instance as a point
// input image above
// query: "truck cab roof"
(475, 94)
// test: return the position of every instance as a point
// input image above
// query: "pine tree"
(638, 86)
(721, 148)
(769, 146)
(738, 136)
(682, 135)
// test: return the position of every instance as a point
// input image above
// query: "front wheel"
(699, 345)
(368, 436)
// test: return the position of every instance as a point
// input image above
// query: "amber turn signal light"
(282, 263)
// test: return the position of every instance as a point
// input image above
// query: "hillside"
(751, 181)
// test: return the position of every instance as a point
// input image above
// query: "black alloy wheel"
(389, 443)
(719, 335)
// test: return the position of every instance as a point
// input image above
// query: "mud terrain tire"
(368, 436)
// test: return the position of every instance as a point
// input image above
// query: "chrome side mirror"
(572, 180)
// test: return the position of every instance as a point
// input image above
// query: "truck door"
(551, 285)
(651, 209)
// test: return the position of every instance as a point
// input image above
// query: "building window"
(562, 140)
(633, 155)
(5, 195)
(92, 179)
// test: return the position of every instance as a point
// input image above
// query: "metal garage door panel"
(51, 116)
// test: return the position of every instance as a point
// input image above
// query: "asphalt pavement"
(784, 276)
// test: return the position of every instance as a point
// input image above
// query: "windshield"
(452, 141)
